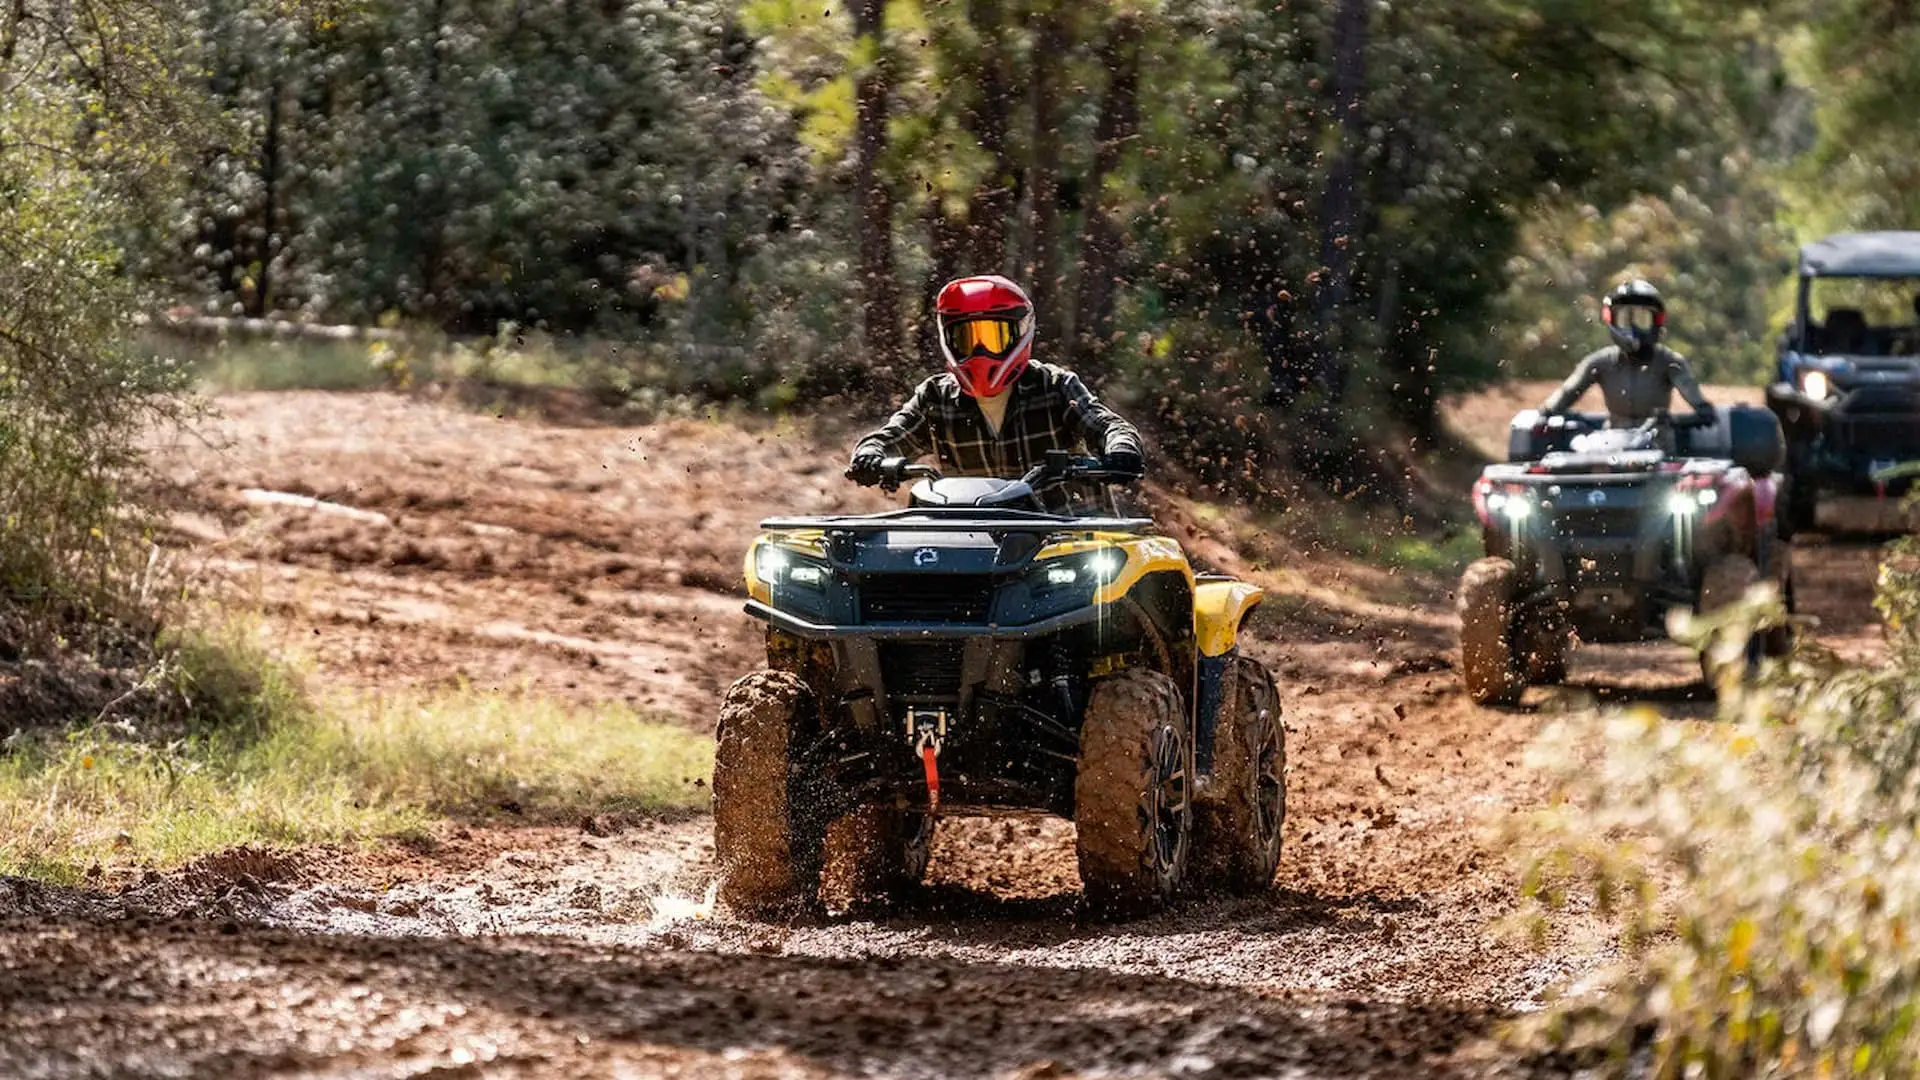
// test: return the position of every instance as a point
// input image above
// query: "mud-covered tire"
(767, 833)
(1543, 655)
(1725, 582)
(1488, 659)
(1778, 640)
(886, 850)
(1133, 810)
(1237, 827)
(1797, 507)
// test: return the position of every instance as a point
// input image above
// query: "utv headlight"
(776, 565)
(1816, 385)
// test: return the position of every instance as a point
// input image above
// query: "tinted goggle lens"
(992, 336)
(1635, 317)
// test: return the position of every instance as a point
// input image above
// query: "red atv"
(1596, 533)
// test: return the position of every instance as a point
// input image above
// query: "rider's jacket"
(1634, 392)
(1051, 409)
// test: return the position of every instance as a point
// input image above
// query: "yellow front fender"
(1218, 609)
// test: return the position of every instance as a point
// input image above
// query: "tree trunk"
(991, 205)
(433, 202)
(1100, 239)
(946, 241)
(261, 301)
(1340, 203)
(879, 288)
(1045, 280)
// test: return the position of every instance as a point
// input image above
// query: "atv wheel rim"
(1167, 799)
(1269, 779)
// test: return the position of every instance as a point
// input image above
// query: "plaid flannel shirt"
(1051, 409)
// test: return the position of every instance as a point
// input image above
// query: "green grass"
(267, 765)
(1383, 541)
(287, 365)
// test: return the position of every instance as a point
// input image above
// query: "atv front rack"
(959, 519)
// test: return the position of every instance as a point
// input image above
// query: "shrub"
(1766, 870)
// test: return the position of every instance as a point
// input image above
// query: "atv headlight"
(1095, 568)
(1685, 503)
(776, 565)
(1515, 506)
(1816, 385)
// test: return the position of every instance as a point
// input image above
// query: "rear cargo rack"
(959, 519)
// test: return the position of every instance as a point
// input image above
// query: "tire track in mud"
(589, 951)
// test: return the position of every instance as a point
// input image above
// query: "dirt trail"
(600, 563)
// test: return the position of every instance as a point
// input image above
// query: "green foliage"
(263, 762)
(1767, 868)
(79, 159)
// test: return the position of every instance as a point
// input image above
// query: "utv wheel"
(1236, 830)
(1132, 809)
(885, 850)
(767, 805)
(1726, 581)
(1488, 658)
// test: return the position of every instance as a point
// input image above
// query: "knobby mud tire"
(1488, 660)
(1544, 655)
(1797, 509)
(1725, 582)
(767, 836)
(1134, 725)
(880, 852)
(1237, 828)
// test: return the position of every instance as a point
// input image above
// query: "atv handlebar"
(1058, 468)
(894, 471)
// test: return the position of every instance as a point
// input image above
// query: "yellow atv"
(994, 648)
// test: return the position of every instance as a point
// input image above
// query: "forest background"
(1262, 222)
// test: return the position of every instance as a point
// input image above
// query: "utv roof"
(1869, 254)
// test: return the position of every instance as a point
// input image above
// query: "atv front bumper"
(797, 626)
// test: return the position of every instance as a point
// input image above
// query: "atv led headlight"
(1816, 385)
(1088, 568)
(1689, 500)
(1516, 507)
(776, 565)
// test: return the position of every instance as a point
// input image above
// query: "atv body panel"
(995, 620)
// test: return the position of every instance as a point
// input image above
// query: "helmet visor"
(990, 336)
(1639, 318)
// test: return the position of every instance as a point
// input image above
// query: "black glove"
(864, 469)
(1126, 462)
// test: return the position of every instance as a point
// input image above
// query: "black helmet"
(1635, 316)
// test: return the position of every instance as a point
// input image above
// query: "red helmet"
(986, 333)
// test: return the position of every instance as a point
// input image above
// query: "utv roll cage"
(1847, 255)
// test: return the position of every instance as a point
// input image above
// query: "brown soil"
(602, 563)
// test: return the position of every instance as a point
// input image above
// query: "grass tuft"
(263, 763)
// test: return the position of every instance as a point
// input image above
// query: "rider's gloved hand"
(1123, 461)
(864, 469)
